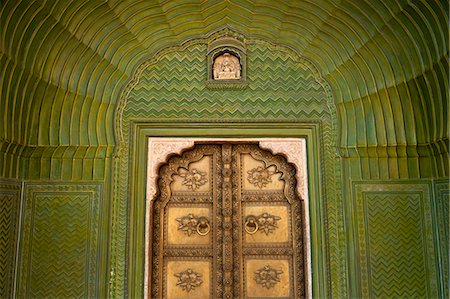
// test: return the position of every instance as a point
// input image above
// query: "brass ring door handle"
(203, 226)
(251, 224)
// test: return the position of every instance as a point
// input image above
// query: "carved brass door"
(227, 223)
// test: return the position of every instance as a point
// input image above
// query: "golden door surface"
(227, 223)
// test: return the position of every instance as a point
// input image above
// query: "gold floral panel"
(268, 278)
(196, 178)
(256, 175)
(188, 225)
(265, 223)
(227, 223)
(188, 279)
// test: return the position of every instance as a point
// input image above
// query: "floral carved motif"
(266, 223)
(188, 280)
(260, 176)
(194, 179)
(190, 224)
(267, 276)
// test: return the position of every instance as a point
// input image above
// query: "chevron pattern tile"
(280, 87)
(7, 242)
(395, 246)
(60, 241)
(396, 241)
(9, 212)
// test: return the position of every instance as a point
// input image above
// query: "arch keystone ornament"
(227, 62)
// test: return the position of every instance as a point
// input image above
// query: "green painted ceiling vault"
(64, 63)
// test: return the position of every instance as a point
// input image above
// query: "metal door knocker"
(265, 222)
(203, 226)
(190, 224)
(251, 224)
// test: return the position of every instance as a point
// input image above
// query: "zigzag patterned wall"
(396, 240)
(386, 61)
(60, 242)
(279, 87)
(9, 220)
(64, 65)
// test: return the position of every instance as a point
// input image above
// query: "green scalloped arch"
(64, 63)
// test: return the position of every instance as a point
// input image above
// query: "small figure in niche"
(227, 67)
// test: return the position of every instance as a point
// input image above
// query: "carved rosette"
(267, 276)
(260, 176)
(188, 280)
(194, 179)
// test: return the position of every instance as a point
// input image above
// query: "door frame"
(142, 130)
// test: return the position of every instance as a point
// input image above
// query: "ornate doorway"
(227, 223)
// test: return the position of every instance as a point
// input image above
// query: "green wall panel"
(60, 247)
(9, 216)
(395, 240)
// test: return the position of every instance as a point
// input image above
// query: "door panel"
(227, 223)
(188, 225)
(266, 224)
(270, 243)
(185, 279)
(267, 277)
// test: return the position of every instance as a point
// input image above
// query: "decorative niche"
(227, 64)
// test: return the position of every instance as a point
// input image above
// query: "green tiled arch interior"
(77, 75)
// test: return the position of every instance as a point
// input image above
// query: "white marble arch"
(293, 149)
